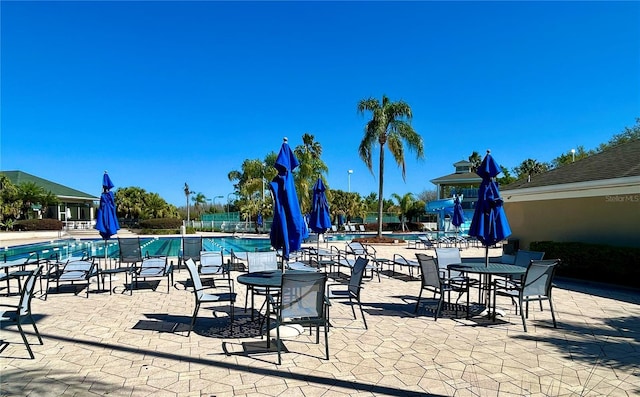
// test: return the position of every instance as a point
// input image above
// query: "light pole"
(573, 155)
(232, 193)
(349, 179)
(214, 200)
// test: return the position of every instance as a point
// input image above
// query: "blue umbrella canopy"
(458, 213)
(319, 219)
(288, 228)
(106, 219)
(489, 223)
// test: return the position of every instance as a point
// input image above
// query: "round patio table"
(489, 270)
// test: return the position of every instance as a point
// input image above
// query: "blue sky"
(163, 93)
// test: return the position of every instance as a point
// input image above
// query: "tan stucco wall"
(613, 220)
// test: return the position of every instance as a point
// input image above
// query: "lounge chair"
(154, 267)
(400, 260)
(74, 272)
(18, 313)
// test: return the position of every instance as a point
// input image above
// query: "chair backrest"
(302, 295)
(27, 292)
(356, 249)
(191, 248)
(539, 277)
(195, 278)
(356, 276)
(155, 262)
(523, 258)
(130, 251)
(429, 271)
(262, 261)
(446, 257)
(78, 270)
(212, 262)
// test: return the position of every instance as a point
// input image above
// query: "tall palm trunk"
(380, 196)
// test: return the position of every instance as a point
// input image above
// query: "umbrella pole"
(486, 256)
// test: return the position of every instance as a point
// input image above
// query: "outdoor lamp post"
(230, 194)
(349, 180)
(573, 155)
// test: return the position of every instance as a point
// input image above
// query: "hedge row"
(29, 225)
(595, 262)
(161, 223)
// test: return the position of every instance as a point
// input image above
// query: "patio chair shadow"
(208, 326)
(398, 276)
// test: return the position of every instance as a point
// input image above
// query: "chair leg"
(435, 318)
(193, 319)
(352, 309)
(326, 338)
(418, 302)
(522, 315)
(24, 339)
(553, 316)
(277, 342)
(362, 313)
(35, 329)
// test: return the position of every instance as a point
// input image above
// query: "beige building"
(594, 200)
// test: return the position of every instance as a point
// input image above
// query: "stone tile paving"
(123, 345)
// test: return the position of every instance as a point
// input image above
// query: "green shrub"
(595, 262)
(159, 231)
(161, 223)
(37, 224)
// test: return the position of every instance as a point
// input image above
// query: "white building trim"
(629, 187)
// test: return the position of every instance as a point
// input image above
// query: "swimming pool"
(161, 246)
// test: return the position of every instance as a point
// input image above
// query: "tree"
(199, 201)
(506, 177)
(475, 159)
(404, 204)
(30, 194)
(428, 195)
(10, 202)
(568, 158)
(130, 202)
(530, 167)
(627, 135)
(390, 126)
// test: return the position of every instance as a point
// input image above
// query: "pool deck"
(124, 345)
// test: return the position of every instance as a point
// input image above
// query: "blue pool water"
(165, 246)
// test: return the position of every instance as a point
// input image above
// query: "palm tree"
(530, 167)
(405, 203)
(390, 125)
(475, 161)
(199, 200)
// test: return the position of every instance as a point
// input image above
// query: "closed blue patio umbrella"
(458, 214)
(319, 219)
(288, 228)
(106, 219)
(489, 223)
